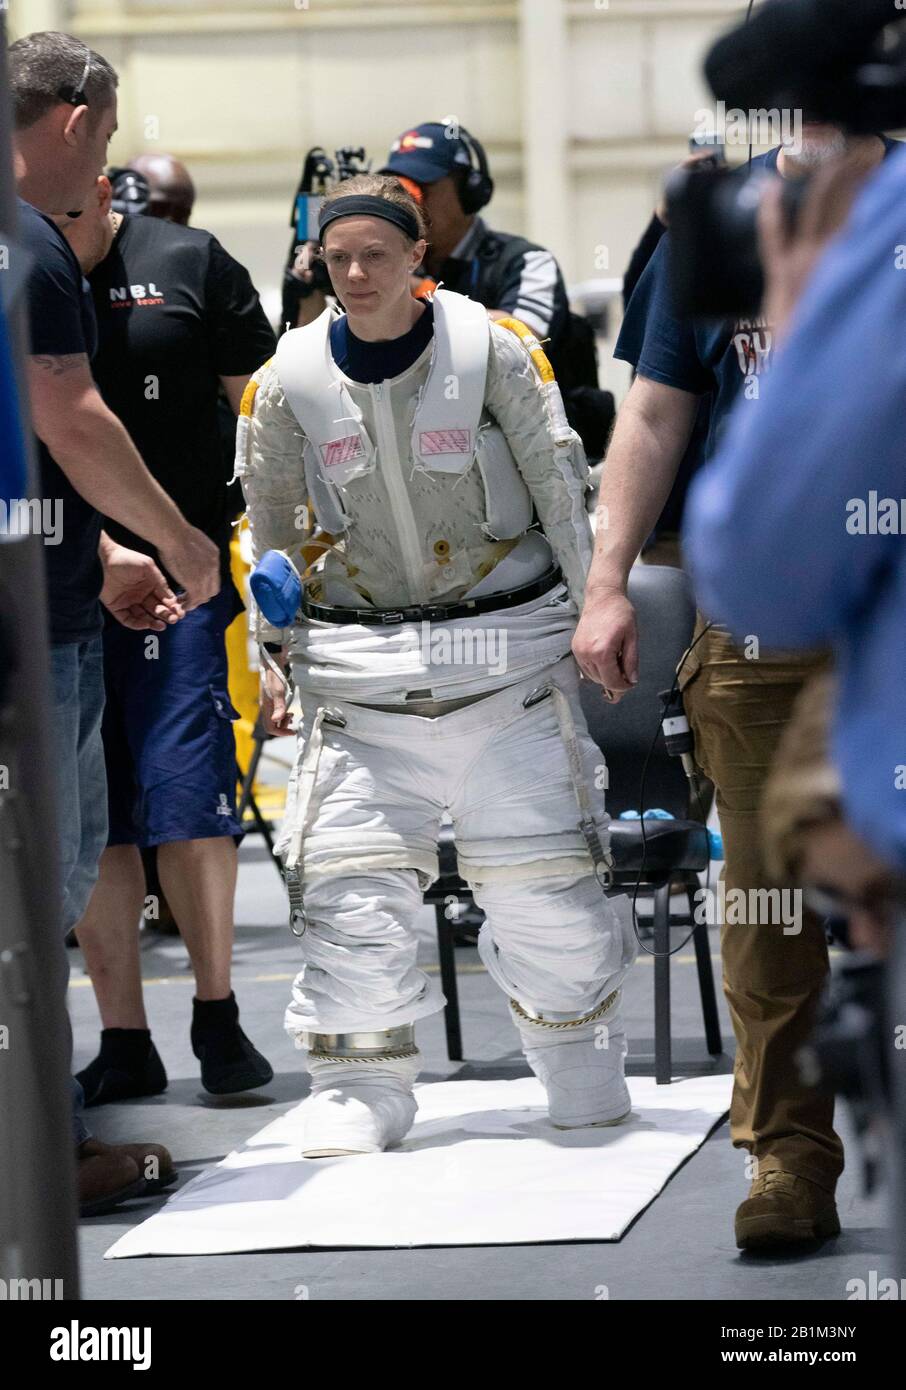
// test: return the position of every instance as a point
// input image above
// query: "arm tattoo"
(60, 365)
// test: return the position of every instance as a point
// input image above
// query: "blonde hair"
(803, 790)
(380, 186)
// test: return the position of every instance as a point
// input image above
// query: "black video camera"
(840, 62)
(319, 174)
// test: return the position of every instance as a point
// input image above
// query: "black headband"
(364, 205)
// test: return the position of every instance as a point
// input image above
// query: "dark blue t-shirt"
(374, 362)
(712, 358)
(62, 323)
(707, 357)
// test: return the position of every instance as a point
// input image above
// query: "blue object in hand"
(277, 589)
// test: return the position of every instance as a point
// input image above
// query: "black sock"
(125, 1048)
(213, 1015)
(229, 1060)
(126, 1065)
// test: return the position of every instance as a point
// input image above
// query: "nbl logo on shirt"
(140, 296)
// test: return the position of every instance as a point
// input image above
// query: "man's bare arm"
(651, 435)
(59, 366)
(233, 387)
(96, 454)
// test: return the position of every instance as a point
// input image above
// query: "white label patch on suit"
(342, 450)
(432, 442)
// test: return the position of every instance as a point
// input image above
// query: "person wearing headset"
(509, 275)
(423, 502)
(446, 170)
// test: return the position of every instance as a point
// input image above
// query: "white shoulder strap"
(327, 414)
(446, 420)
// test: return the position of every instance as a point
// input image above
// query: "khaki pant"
(666, 550)
(737, 708)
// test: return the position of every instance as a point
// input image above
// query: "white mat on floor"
(481, 1166)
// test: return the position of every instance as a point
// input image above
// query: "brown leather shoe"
(154, 1162)
(112, 1173)
(106, 1177)
(783, 1209)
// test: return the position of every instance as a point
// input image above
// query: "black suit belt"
(435, 612)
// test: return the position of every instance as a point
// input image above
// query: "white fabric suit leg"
(580, 1063)
(368, 841)
(359, 990)
(359, 970)
(559, 950)
(358, 1107)
(353, 1004)
(553, 942)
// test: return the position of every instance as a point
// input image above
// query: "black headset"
(75, 96)
(476, 191)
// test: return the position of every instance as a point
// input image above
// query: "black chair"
(673, 852)
(248, 802)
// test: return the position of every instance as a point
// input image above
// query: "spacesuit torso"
(428, 484)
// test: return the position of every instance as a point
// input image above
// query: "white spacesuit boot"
(361, 1092)
(579, 1061)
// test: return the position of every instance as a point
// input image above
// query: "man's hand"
(606, 643)
(136, 592)
(706, 152)
(313, 304)
(302, 266)
(195, 562)
(273, 699)
(789, 255)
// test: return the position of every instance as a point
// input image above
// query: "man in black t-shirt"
(64, 106)
(177, 319)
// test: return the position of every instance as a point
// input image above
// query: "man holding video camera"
(738, 701)
(816, 478)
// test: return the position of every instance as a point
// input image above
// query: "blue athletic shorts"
(167, 730)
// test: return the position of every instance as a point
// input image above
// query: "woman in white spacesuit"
(428, 445)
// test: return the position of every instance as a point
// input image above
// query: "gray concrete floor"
(680, 1248)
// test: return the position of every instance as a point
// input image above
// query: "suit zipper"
(403, 516)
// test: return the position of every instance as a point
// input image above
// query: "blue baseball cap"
(428, 152)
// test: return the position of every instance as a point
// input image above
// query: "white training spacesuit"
(426, 485)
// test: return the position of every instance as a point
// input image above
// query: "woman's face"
(369, 261)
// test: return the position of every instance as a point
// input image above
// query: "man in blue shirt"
(737, 702)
